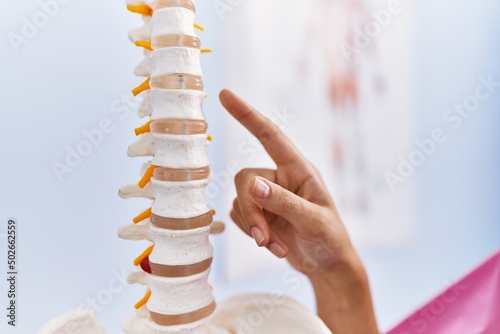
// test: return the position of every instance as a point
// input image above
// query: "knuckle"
(236, 205)
(312, 174)
(311, 171)
(242, 175)
(233, 215)
(268, 133)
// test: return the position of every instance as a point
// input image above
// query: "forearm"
(344, 300)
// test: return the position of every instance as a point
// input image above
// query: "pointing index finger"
(276, 143)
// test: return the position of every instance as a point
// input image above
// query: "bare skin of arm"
(290, 211)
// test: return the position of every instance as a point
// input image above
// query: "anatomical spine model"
(176, 266)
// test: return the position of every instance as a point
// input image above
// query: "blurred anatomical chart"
(338, 77)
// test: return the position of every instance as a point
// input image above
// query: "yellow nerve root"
(144, 44)
(143, 129)
(142, 9)
(141, 88)
(143, 255)
(143, 301)
(147, 176)
(206, 51)
(213, 212)
(142, 216)
(197, 26)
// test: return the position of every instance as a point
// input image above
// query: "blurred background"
(394, 101)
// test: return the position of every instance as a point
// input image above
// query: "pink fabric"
(471, 306)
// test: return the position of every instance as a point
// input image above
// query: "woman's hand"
(287, 210)
(290, 211)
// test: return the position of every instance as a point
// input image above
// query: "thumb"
(282, 202)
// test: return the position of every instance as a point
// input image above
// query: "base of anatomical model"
(244, 314)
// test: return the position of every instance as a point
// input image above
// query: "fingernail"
(257, 235)
(260, 189)
(277, 250)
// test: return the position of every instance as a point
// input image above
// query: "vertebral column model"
(175, 268)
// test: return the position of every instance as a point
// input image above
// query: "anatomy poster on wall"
(338, 78)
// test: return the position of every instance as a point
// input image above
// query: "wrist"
(346, 264)
(346, 283)
(343, 297)
(347, 268)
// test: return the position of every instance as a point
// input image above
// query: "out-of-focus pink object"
(471, 306)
